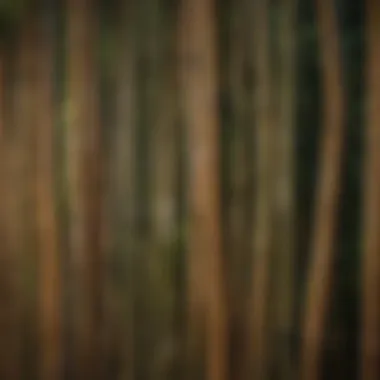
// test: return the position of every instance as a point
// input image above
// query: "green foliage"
(11, 14)
(12, 8)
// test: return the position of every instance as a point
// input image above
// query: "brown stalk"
(319, 281)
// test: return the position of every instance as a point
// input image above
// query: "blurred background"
(189, 189)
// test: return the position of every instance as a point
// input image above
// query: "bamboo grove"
(189, 189)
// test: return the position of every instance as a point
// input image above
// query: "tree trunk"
(163, 99)
(18, 177)
(47, 224)
(10, 285)
(122, 190)
(165, 163)
(327, 195)
(237, 234)
(2, 91)
(258, 311)
(285, 248)
(84, 165)
(11, 282)
(371, 219)
(198, 75)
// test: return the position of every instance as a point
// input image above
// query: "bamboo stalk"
(319, 281)
(370, 350)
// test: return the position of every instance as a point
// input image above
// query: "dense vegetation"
(146, 147)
